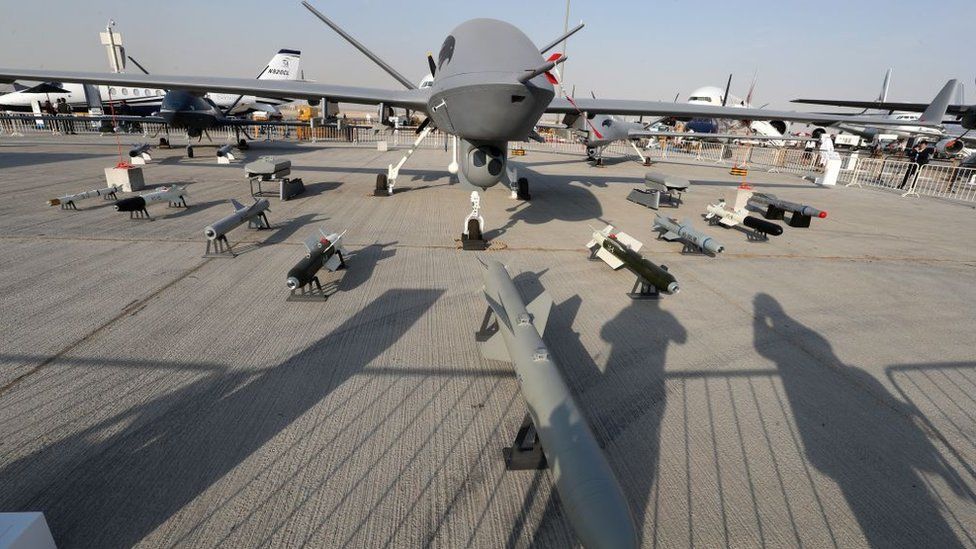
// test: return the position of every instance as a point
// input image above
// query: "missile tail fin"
(609, 258)
(237, 205)
(333, 263)
(670, 236)
(494, 348)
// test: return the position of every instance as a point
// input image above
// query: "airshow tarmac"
(816, 389)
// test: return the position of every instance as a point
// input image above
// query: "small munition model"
(721, 213)
(225, 154)
(253, 215)
(589, 491)
(68, 201)
(321, 250)
(775, 208)
(136, 206)
(619, 249)
(671, 230)
(139, 154)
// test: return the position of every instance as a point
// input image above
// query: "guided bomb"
(590, 493)
(736, 214)
(672, 230)
(173, 195)
(242, 214)
(619, 249)
(321, 250)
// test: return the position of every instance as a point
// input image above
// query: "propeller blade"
(593, 95)
(431, 63)
(725, 98)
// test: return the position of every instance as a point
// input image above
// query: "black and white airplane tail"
(285, 65)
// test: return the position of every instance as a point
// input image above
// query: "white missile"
(69, 200)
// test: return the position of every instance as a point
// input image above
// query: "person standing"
(919, 155)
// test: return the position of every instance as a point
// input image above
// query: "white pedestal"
(382, 146)
(831, 171)
(25, 531)
(129, 179)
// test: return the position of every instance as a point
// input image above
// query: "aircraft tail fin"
(937, 109)
(285, 65)
(883, 96)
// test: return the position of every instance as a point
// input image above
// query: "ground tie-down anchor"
(525, 453)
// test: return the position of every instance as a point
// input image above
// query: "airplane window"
(159, 92)
(148, 92)
(705, 99)
(112, 91)
(135, 91)
(125, 91)
(607, 123)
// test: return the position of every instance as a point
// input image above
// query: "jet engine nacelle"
(968, 119)
(779, 125)
(482, 163)
(949, 146)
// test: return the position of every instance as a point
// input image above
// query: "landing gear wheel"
(189, 152)
(163, 143)
(242, 144)
(381, 185)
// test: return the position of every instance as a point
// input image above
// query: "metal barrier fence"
(938, 180)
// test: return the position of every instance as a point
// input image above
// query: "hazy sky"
(634, 49)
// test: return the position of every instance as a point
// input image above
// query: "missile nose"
(292, 283)
(673, 288)
(210, 233)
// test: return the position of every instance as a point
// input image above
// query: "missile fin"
(539, 310)
(333, 263)
(610, 259)
(629, 241)
(237, 205)
(670, 236)
(727, 222)
(495, 349)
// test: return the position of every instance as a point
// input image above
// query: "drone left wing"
(295, 89)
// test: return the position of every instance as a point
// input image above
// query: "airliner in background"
(285, 65)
